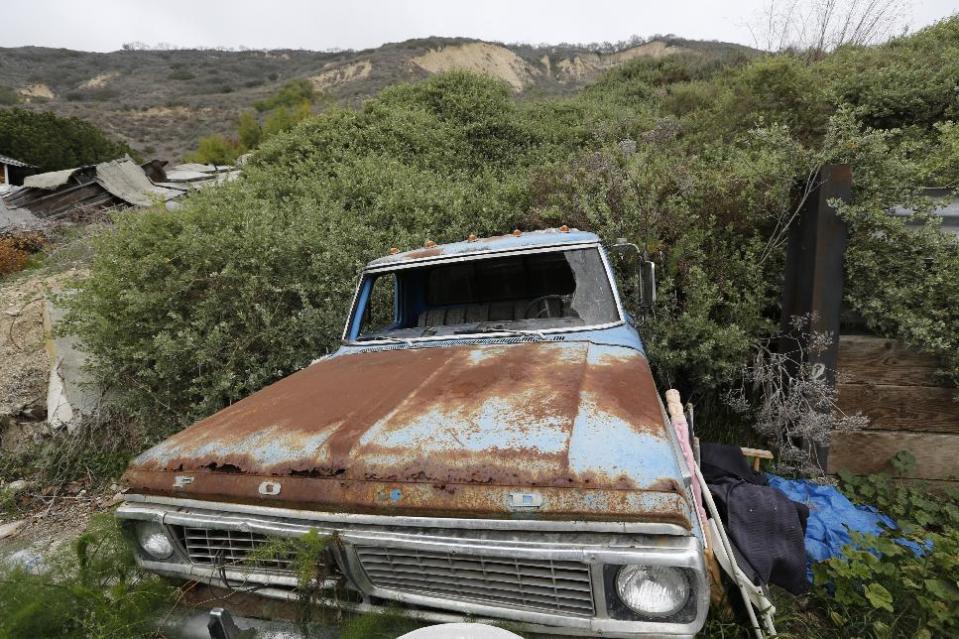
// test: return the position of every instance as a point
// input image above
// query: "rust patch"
(453, 420)
(626, 390)
(421, 253)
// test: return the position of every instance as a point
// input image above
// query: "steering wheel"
(544, 300)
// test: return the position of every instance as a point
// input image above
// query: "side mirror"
(647, 285)
(646, 275)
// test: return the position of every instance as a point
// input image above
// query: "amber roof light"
(471, 237)
(517, 233)
(394, 251)
(564, 229)
(430, 244)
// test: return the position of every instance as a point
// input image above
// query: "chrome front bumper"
(554, 578)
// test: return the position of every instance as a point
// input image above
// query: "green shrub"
(290, 94)
(941, 157)
(53, 143)
(89, 590)
(911, 80)
(215, 149)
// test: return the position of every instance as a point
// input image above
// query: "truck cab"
(486, 443)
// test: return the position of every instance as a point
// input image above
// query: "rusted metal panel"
(579, 422)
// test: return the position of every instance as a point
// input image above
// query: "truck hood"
(546, 428)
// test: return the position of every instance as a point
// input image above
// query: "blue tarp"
(831, 517)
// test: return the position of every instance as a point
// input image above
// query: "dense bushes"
(910, 81)
(53, 143)
(187, 311)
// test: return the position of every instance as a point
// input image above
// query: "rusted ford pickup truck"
(487, 443)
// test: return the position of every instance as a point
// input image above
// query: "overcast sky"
(104, 25)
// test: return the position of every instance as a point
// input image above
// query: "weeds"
(883, 586)
(91, 590)
(97, 451)
(794, 398)
(310, 562)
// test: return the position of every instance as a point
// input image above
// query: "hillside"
(161, 102)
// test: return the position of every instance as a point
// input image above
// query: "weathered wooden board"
(875, 360)
(937, 454)
(930, 409)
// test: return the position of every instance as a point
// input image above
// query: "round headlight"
(652, 591)
(153, 540)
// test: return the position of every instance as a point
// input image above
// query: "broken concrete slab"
(70, 392)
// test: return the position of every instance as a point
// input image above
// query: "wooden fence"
(908, 409)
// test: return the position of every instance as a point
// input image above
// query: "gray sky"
(104, 25)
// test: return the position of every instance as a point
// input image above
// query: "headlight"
(652, 591)
(153, 540)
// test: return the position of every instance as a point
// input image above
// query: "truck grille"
(231, 548)
(545, 585)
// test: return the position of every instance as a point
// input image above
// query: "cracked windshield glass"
(530, 292)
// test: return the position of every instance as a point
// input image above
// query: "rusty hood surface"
(542, 429)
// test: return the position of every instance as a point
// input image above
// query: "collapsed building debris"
(77, 193)
(59, 194)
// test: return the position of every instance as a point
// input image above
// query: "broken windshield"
(517, 294)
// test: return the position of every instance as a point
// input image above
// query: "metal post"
(814, 271)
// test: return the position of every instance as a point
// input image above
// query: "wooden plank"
(931, 485)
(864, 359)
(863, 452)
(929, 409)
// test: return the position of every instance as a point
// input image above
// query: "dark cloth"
(765, 527)
(721, 461)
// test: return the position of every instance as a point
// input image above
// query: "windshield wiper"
(384, 338)
(493, 329)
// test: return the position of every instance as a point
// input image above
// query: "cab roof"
(511, 242)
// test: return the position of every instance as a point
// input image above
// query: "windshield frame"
(354, 319)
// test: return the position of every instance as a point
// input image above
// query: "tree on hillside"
(53, 143)
(279, 112)
(291, 94)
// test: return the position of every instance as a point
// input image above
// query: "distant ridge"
(162, 101)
